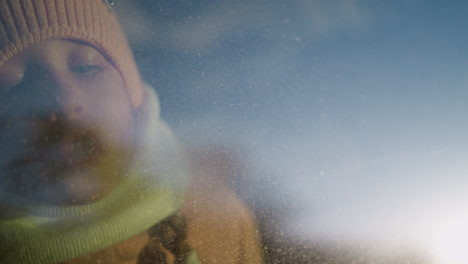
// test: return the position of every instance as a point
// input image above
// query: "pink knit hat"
(24, 23)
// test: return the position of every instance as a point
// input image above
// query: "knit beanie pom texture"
(24, 23)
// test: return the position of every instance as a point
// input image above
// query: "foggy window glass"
(213, 131)
(347, 119)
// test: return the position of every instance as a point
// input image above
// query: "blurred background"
(342, 123)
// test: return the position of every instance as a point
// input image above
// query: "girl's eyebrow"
(84, 54)
(87, 45)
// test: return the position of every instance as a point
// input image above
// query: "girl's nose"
(65, 97)
(70, 106)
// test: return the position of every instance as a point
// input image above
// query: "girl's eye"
(10, 80)
(85, 69)
(8, 89)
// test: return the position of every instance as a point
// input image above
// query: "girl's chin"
(78, 188)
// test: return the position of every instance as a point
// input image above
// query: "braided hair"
(169, 234)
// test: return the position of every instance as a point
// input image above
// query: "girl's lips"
(63, 156)
(57, 143)
(76, 153)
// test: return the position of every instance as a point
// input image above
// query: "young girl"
(89, 173)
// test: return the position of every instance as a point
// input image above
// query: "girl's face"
(66, 125)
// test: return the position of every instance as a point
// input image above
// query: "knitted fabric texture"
(24, 23)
